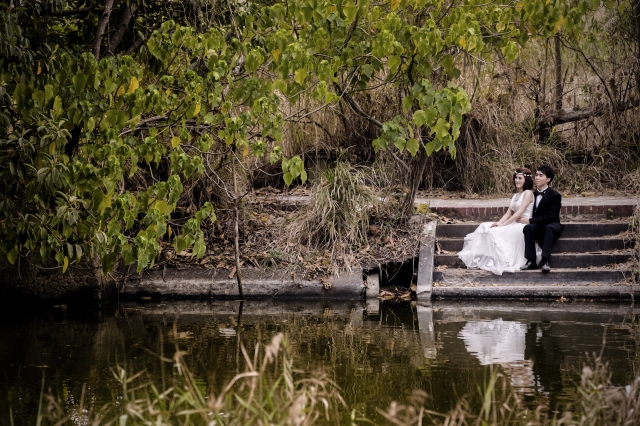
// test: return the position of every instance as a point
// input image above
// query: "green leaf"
(108, 262)
(288, 178)
(91, 124)
(413, 146)
(57, 108)
(425, 117)
(510, 51)
(60, 257)
(350, 11)
(12, 256)
(407, 103)
(430, 147)
(79, 251)
(199, 248)
(193, 110)
(175, 142)
(48, 92)
(38, 97)
(65, 264)
(441, 129)
(181, 244)
(447, 62)
(394, 63)
(400, 143)
(301, 74)
(128, 255)
(79, 81)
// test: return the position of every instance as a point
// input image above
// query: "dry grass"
(268, 392)
(598, 403)
(337, 218)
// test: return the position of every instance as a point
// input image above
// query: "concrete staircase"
(591, 259)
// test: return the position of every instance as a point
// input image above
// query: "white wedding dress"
(499, 249)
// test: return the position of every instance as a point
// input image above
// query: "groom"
(544, 225)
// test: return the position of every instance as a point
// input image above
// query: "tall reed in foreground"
(268, 392)
(599, 403)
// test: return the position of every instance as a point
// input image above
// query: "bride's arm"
(503, 219)
(528, 198)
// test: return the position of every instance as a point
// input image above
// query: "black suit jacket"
(548, 210)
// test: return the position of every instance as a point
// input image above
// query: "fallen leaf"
(233, 272)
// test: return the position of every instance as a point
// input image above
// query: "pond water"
(376, 352)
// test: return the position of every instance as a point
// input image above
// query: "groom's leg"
(550, 234)
(529, 232)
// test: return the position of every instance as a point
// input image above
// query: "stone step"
(570, 292)
(571, 229)
(572, 208)
(563, 245)
(560, 260)
(474, 277)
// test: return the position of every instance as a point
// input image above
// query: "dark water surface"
(376, 353)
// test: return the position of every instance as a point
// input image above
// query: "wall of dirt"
(85, 282)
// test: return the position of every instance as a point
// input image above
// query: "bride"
(499, 247)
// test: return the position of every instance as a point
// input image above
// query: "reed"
(269, 391)
(598, 403)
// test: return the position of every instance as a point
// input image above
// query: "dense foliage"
(80, 115)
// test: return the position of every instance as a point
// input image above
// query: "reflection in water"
(504, 343)
(376, 352)
(496, 341)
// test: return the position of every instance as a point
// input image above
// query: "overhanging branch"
(358, 110)
(569, 116)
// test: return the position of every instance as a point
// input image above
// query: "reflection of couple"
(533, 217)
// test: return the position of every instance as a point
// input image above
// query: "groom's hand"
(523, 220)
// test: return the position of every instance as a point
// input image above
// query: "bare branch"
(358, 110)
(568, 116)
(71, 12)
(102, 26)
(122, 27)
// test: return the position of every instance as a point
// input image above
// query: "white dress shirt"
(539, 197)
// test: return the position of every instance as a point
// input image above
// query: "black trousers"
(545, 235)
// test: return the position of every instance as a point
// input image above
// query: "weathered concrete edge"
(537, 291)
(426, 261)
(203, 283)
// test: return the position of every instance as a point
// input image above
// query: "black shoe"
(546, 267)
(529, 266)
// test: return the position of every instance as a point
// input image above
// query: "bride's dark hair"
(528, 182)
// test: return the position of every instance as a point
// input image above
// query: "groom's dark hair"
(547, 171)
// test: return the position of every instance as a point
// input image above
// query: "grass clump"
(337, 218)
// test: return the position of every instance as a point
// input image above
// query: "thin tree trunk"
(238, 336)
(134, 46)
(414, 183)
(102, 26)
(559, 89)
(236, 235)
(122, 27)
(636, 20)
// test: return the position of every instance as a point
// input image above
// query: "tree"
(83, 118)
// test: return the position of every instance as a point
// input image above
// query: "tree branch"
(122, 27)
(139, 41)
(71, 12)
(358, 110)
(593, 68)
(568, 116)
(102, 26)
